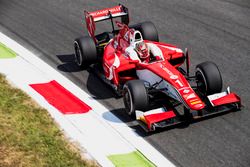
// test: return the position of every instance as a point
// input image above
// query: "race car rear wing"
(105, 14)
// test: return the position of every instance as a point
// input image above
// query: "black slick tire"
(85, 51)
(208, 77)
(135, 97)
(148, 30)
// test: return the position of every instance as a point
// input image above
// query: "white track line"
(115, 126)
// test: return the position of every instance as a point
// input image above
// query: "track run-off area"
(217, 30)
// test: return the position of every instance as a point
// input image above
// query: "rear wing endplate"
(104, 14)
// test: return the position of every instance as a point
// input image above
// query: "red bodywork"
(119, 67)
(115, 49)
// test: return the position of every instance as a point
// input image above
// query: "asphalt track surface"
(217, 30)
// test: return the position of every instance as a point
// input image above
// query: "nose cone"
(197, 106)
(192, 99)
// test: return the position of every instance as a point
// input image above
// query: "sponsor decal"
(192, 100)
(179, 83)
(106, 11)
(167, 71)
(173, 76)
(198, 105)
(186, 91)
(196, 102)
(190, 96)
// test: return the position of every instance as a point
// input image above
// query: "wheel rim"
(128, 102)
(78, 54)
(201, 82)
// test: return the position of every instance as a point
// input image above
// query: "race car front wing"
(166, 116)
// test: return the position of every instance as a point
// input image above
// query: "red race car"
(156, 89)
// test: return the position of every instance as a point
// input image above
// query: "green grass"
(130, 160)
(28, 135)
(5, 52)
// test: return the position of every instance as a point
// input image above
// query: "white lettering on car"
(172, 76)
(190, 96)
(103, 12)
(179, 83)
(167, 71)
(186, 91)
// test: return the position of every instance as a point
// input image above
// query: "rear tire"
(85, 51)
(209, 80)
(135, 97)
(148, 30)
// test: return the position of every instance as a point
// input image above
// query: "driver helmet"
(142, 50)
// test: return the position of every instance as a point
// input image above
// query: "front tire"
(85, 51)
(135, 97)
(208, 78)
